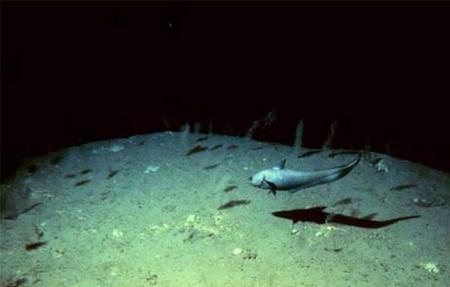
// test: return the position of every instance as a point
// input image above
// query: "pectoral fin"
(273, 187)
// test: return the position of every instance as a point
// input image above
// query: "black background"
(84, 71)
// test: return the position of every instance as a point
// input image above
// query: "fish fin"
(273, 187)
(280, 165)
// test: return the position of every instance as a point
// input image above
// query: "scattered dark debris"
(233, 146)
(86, 171)
(196, 149)
(217, 146)
(34, 245)
(344, 201)
(104, 195)
(233, 203)
(211, 166)
(82, 182)
(70, 175)
(230, 188)
(112, 173)
(169, 208)
(333, 154)
(56, 159)
(249, 255)
(15, 283)
(151, 279)
(309, 153)
(31, 168)
(202, 139)
(403, 186)
(195, 234)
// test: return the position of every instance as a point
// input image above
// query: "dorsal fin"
(280, 165)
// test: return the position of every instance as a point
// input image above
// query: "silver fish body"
(279, 178)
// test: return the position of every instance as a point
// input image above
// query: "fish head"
(260, 179)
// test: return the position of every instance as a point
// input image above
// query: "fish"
(403, 186)
(112, 173)
(34, 245)
(343, 201)
(217, 146)
(196, 149)
(319, 216)
(86, 171)
(230, 188)
(260, 147)
(211, 166)
(16, 214)
(82, 182)
(233, 203)
(279, 178)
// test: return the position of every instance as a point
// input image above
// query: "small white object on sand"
(237, 251)
(430, 267)
(382, 167)
(116, 148)
(151, 168)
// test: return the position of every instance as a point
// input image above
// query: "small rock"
(117, 233)
(237, 251)
(151, 168)
(430, 267)
(116, 148)
(191, 220)
(381, 166)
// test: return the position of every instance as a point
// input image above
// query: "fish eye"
(250, 178)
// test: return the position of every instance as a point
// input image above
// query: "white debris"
(381, 166)
(430, 267)
(151, 168)
(116, 148)
(237, 251)
(117, 233)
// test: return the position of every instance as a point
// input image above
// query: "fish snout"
(251, 181)
(257, 180)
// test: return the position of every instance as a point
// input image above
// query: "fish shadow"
(320, 216)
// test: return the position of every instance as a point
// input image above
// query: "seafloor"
(142, 212)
